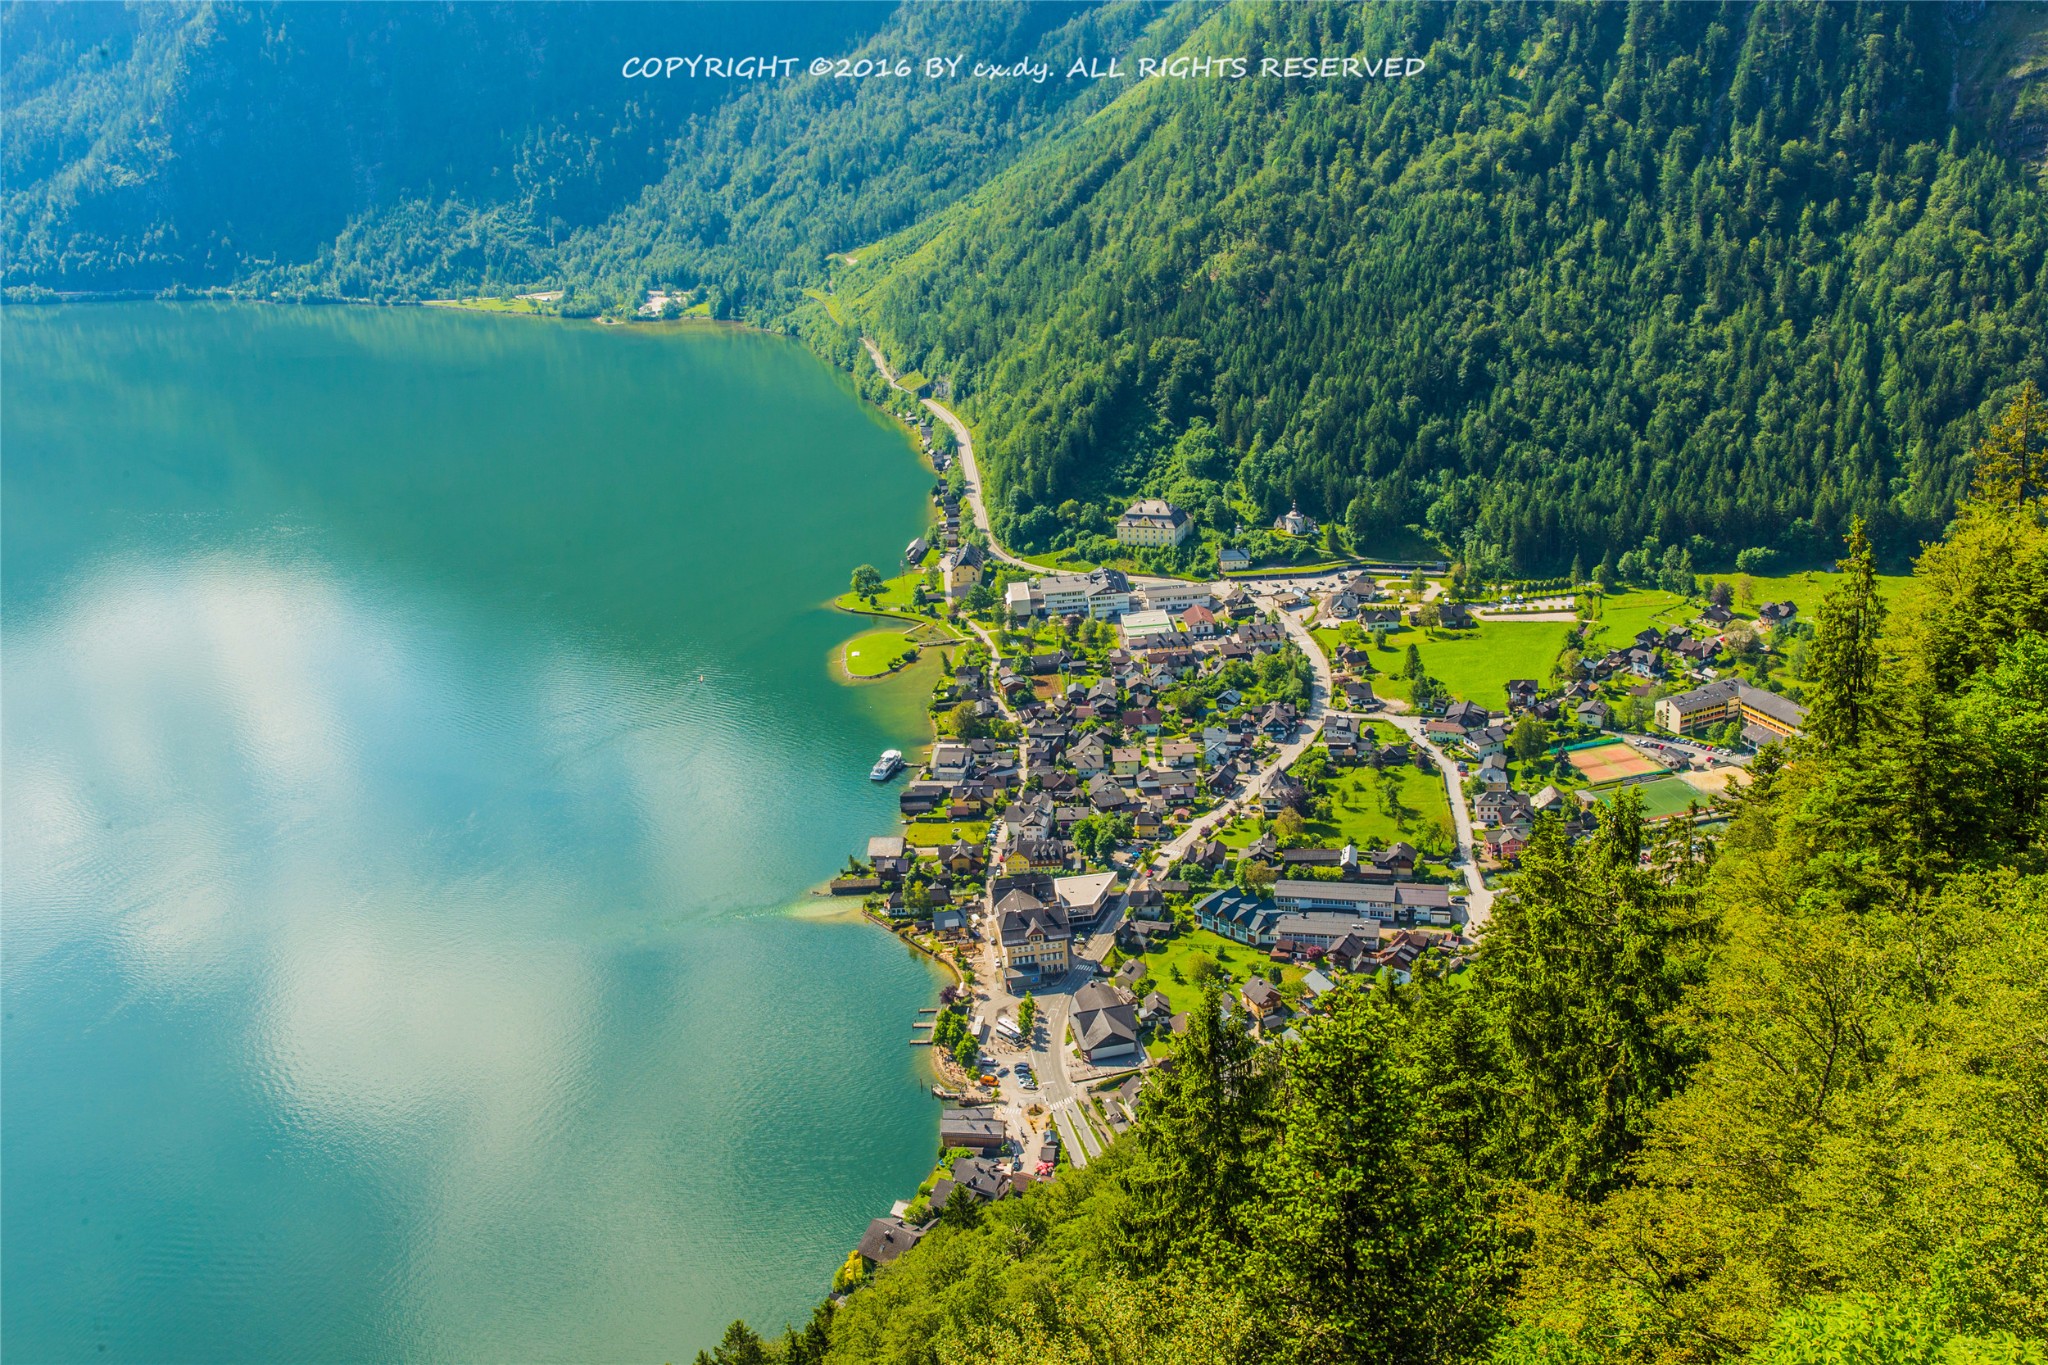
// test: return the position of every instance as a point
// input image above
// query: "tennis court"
(1611, 762)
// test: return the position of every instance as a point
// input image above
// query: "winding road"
(968, 469)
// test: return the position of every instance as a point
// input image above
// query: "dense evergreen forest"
(1779, 1097)
(1605, 277)
(151, 146)
(1608, 274)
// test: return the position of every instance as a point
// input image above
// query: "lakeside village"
(1139, 786)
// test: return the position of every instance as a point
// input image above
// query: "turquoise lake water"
(418, 748)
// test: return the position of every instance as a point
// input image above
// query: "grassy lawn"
(1662, 797)
(1331, 639)
(1362, 818)
(831, 304)
(1475, 664)
(1805, 590)
(1618, 616)
(480, 305)
(1385, 662)
(1236, 959)
(869, 654)
(897, 594)
(934, 833)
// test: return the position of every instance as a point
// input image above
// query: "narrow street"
(1254, 784)
(1002, 701)
(1479, 899)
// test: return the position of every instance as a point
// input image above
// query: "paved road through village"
(1057, 1093)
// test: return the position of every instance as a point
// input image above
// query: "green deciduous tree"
(1202, 1122)
(1356, 1252)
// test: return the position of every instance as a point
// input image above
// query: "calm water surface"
(416, 736)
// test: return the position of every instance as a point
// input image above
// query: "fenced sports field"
(1663, 797)
(1612, 762)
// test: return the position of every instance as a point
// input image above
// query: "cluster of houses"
(1655, 656)
(991, 1172)
(1366, 948)
(1103, 744)
(1355, 926)
(1354, 745)
(985, 1177)
(1645, 658)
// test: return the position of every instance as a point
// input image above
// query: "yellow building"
(1764, 715)
(1033, 937)
(1153, 521)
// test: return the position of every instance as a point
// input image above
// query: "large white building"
(1153, 521)
(1175, 597)
(1104, 594)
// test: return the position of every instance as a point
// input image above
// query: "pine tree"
(1353, 1246)
(1585, 958)
(2012, 460)
(741, 1345)
(1844, 662)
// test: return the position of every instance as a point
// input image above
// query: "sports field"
(1663, 797)
(1714, 781)
(1611, 762)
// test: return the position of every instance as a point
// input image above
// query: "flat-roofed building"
(1143, 629)
(1387, 902)
(1103, 594)
(1175, 597)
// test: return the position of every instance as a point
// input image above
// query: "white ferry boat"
(887, 766)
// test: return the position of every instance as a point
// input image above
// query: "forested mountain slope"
(1604, 273)
(191, 144)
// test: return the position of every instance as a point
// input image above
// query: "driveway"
(1479, 899)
